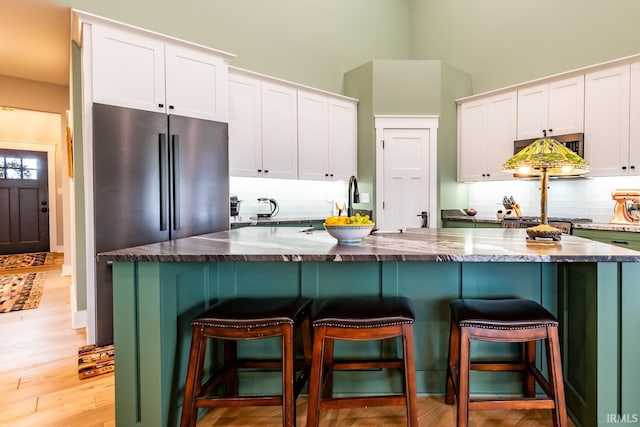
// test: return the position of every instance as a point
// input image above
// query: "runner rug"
(94, 360)
(8, 262)
(21, 291)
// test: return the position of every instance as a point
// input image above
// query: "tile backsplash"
(572, 198)
(296, 198)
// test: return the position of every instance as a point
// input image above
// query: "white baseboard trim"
(67, 270)
(79, 319)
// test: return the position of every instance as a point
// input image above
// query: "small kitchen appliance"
(234, 206)
(267, 208)
(627, 206)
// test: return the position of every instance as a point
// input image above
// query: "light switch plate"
(364, 198)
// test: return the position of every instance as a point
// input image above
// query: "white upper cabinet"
(634, 114)
(327, 137)
(262, 128)
(127, 68)
(245, 126)
(196, 83)
(486, 131)
(131, 68)
(606, 133)
(556, 107)
(279, 130)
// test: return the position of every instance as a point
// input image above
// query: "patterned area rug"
(21, 291)
(9, 262)
(94, 361)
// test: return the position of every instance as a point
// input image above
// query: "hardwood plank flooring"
(39, 382)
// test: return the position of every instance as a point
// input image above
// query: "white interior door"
(406, 171)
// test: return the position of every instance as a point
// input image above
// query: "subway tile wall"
(569, 198)
(296, 198)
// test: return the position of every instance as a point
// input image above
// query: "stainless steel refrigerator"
(156, 177)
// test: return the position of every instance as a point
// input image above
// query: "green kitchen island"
(592, 287)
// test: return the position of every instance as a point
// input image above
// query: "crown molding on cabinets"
(566, 74)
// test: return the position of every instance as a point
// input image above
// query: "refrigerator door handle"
(175, 152)
(164, 181)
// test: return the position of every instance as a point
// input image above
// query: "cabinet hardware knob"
(171, 107)
(632, 167)
(266, 171)
(259, 170)
(326, 174)
(161, 105)
(331, 175)
(624, 168)
(550, 130)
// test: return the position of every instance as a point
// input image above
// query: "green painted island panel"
(156, 301)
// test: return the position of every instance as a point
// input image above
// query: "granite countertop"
(273, 220)
(459, 215)
(604, 226)
(420, 244)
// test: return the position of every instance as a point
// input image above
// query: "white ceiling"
(34, 40)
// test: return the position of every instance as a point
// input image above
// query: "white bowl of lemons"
(348, 229)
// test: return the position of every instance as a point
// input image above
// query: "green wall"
(307, 42)
(409, 87)
(504, 42)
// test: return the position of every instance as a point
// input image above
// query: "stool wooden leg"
(410, 375)
(463, 378)
(288, 369)
(193, 382)
(554, 367)
(327, 379)
(230, 361)
(453, 361)
(315, 382)
(530, 360)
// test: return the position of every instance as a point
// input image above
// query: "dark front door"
(24, 202)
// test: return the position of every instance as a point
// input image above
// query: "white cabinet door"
(196, 83)
(533, 111)
(634, 128)
(487, 129)
(327, 137)
(557, 107)
(343, 139)
(127, 69)
(245, 126)
(500, 130)
(566, 106)
(606, 133)
(313, 136)
(471, 137)
(279, 131)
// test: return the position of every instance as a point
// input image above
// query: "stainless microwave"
(573, 141)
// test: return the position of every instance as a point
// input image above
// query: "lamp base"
(544, 232)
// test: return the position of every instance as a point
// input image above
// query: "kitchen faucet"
(353, 190)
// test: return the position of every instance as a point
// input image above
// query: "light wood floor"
(39, 383)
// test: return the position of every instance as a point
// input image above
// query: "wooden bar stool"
(505, 320)
(247, 319)
(361, 319)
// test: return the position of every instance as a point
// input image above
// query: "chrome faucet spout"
(354, 195)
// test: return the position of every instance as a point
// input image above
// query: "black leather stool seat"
(364, 312)
(252, 312)
(238, 319)
(361, 318)
(501, 314)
